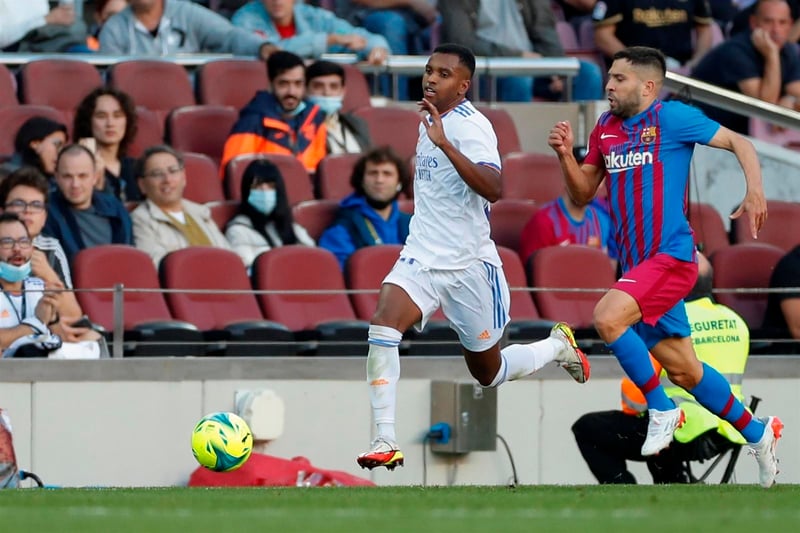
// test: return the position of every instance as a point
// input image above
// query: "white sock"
(383, 372)
(520, 360)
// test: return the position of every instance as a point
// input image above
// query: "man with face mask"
(280, 121)
(325, 86)
(371, 214)
(166, 221)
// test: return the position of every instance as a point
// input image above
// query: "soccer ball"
(222, 442)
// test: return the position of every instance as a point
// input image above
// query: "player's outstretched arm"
(483, 179)
(754, 203)
(582, 181)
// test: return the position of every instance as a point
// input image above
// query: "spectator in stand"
(562, 222)
(281, 121)
(782, 319)
(662, 24)
(168, 27)
(761, 64)
(79, 215)
(264, 218)
(36, 144)
(516, 29)
(325, 87)
(108, 116)
(166, 221)
(741, 20)
(103, 9)
(32, 26)
(309, 31)
(370, 215)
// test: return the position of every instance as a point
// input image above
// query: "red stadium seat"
(357, 93)
(745, 266)
(222, 316)
(58, 83)
(160, 86)
(526, 323)
(333, 175)
(322, 312)
(504, 128)
(8, 87)
(12, 117)
(709, 230)
(222, 212)
(146, 318)
(570, 267)
(231, 82)
(366, 269)
(202, 179)
(149, 131)
(201, 129)
(298, 183)
(507, 218)
(530, 176)
(315, 216)
(392, 126)
(782, 228)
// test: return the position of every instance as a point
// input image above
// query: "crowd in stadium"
(159, 159)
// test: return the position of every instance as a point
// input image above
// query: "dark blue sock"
(714, 393)
(634, 358)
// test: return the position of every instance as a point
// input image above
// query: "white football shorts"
(475, 300)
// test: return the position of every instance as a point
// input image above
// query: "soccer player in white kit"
(448, 260)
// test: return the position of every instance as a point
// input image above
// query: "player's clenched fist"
(561, 138)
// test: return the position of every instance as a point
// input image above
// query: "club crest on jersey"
(649, 134)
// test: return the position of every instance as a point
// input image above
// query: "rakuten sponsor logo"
(621, 162)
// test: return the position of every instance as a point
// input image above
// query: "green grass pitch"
(590, 509)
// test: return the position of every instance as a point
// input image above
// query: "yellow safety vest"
(721, 339)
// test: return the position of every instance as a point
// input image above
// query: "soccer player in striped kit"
(642, 147)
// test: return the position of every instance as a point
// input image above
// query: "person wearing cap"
(608, 439)
(36, 144)
(166, 221)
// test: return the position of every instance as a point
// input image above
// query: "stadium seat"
(222, 212)
(160, 86)
(202, 179)
(149, 329)
(230, 318)
(322, 313)
(8, 88)
(406, 205)
(315, 216)
(504, 128)
(709, 230)
(392, 126)
(201, 129)
(782, 228)
(747, 266)
(298, 183)
(526, 324)
(531, 176)
(570, 267)
(12, 117)
(333, 175)
(357, 93)
(231, 82)
(58, 83)
(149, 131)
(507, 218)
(365, 271)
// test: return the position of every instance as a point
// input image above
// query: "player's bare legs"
(395, 314)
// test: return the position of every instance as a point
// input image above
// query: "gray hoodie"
(185, 28)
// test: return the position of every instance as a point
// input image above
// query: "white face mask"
(329, 104)
(263, 200)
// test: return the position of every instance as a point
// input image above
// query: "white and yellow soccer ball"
(222, 442)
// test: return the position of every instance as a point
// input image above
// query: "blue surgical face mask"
(329, 104)
(296, 111)
(12, 273)
(263, 200)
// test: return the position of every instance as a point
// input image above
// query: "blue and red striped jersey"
(646, 159)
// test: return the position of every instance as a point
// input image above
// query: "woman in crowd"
(36, 144)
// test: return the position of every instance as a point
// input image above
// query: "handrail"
(732, 101)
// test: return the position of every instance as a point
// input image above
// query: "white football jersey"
(450, 226)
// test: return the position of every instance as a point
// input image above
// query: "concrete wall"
(128, 422)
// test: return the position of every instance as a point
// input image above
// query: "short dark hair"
(27, 177)
(281, 61)
(381, 154)
(324, 68)
(35, 129)
(465, 55)
(138, 167)
(82, 125)
(643, 56)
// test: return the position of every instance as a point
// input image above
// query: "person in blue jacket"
(370, 215)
